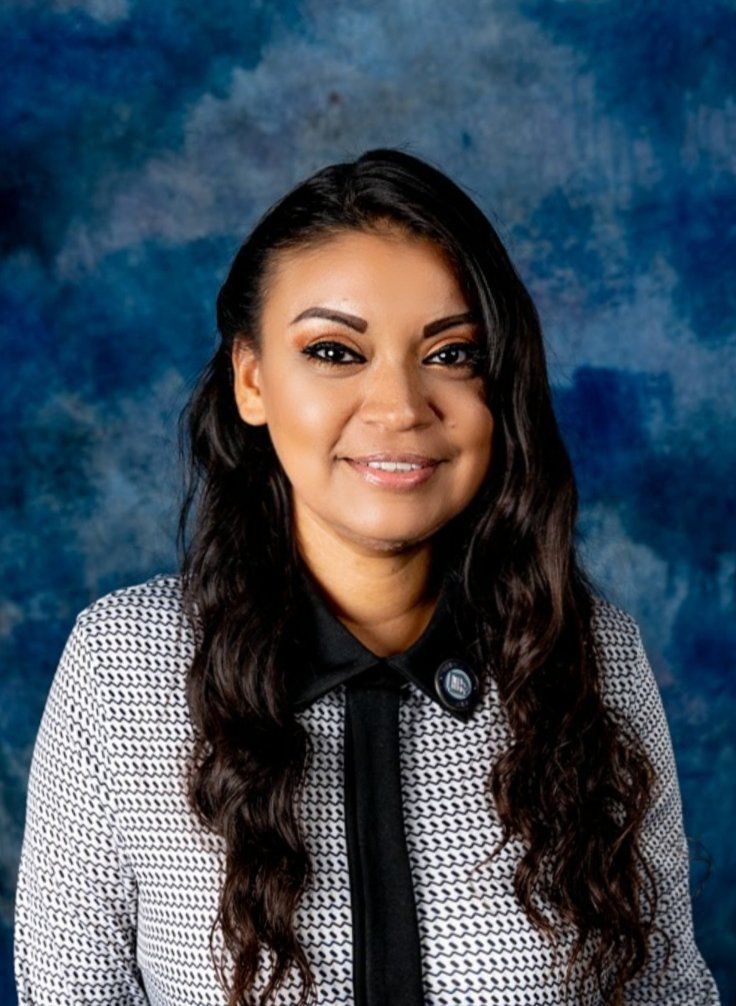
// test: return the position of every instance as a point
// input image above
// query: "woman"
(380, 740)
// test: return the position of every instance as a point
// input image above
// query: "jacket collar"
(438, 662)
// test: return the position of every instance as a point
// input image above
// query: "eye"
(472, 352)
(332, 354)
(334, 348)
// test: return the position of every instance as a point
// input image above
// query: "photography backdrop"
(141, 140)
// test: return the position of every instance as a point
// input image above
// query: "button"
(456, 683)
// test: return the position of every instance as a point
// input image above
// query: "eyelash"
(472, 349)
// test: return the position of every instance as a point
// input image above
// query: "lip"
(394, 480)
(414, 459)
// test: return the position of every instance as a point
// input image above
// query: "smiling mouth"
(393, 462)
(394, 473)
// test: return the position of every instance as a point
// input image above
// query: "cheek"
(311, 421)
(483, 430)
(304, 422)
(473, 436)
(471, 423)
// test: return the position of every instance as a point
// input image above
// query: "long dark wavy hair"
(576, 782)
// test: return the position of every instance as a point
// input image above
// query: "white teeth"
(393, 466)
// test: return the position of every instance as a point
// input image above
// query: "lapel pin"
(456, 683)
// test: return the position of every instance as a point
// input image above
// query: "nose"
(396, 397)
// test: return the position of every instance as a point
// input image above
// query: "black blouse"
(387, 965)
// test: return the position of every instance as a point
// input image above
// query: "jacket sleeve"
(75, 903)
(687, 980)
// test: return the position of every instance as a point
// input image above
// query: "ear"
(246, 386)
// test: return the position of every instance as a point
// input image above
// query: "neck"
(385, 601)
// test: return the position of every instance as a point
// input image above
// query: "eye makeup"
(472, 349)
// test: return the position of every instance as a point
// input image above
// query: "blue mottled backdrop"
(141, 140)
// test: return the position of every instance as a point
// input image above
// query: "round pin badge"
(456, 683)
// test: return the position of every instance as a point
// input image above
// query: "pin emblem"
(456, 683)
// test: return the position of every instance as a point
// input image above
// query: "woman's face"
(388, 373)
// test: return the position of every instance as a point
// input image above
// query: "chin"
(389, 540)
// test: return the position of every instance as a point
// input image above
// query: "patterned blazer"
(118, 885)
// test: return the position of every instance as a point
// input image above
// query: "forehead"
(375, 270)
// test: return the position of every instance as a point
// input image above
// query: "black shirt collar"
(328, 654)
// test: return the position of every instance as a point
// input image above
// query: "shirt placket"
(387, 965)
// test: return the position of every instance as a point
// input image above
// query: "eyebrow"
(360, 324)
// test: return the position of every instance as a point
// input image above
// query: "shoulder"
(627, 681)
(136, 639)
(616, 632)
(626, 676)
(119, 692)
(120, 680)
(139, 613)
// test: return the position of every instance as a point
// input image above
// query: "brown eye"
(470, 354)
(335, 349)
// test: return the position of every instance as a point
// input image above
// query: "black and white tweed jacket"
(118, 886)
